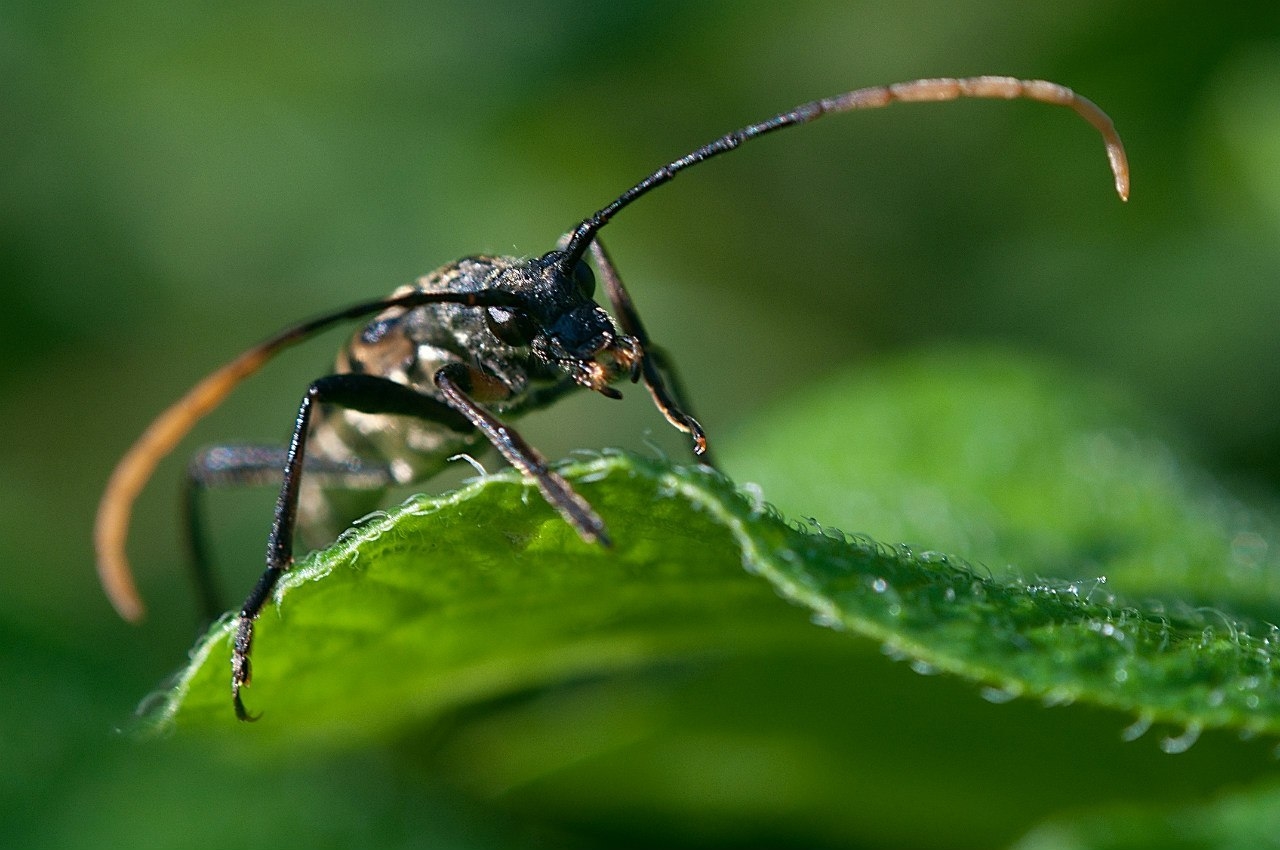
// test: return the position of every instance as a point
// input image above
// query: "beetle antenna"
(111, 527)
(996, 88)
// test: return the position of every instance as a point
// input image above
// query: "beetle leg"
(454, 382)
(251, 466)
(656, 368)
(366, 393)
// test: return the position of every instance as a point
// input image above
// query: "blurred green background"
(178, 180)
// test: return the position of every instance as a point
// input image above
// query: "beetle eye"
(511, 326)
(585, 279)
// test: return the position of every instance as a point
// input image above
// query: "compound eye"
(511, 326)
(585, 279)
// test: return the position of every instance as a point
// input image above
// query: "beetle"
(442, 363)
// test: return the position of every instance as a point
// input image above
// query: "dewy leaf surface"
(449, 601)
(1016, 466)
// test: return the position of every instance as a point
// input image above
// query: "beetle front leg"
(654, 363)
(252, 466)
(368, 394)
(454, 382)
(219, 466)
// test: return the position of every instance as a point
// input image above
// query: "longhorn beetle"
(445, 360)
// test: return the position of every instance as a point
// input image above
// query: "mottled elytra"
(444, 362)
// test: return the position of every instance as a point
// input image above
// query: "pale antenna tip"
(1119, 166)
(121, 591)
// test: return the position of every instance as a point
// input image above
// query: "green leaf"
(447, 602)
(462, 598)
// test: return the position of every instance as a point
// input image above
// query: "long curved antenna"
(111, 527)
(947, 88)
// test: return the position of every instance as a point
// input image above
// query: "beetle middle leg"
(367, 394)
(454, 382)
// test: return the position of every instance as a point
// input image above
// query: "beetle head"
(559, 321)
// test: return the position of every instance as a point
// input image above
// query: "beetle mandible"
(446, 360)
